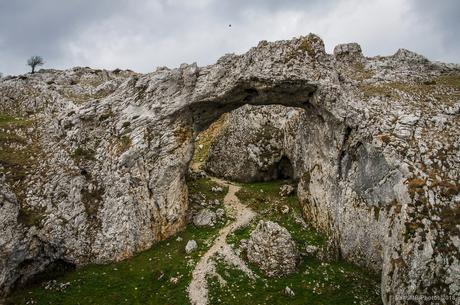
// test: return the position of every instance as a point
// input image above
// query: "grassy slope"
(14, 153)
(315, 283)
(143, 279)
(264, 198)
(19, 153)
(205, 139)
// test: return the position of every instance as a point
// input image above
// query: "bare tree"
(35, 61)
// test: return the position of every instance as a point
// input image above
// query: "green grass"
(202, 187)
(7, 120)
(205, 139)
(315, 283)
(146, 277)
(31, 217)
(450, 80)
(19, 151)
(360, 72)
(330, 283)
(264, 198)
(444, 89)
(143, 279)
(124, 144)
(78, 97)
(10, 127)
(83, 154)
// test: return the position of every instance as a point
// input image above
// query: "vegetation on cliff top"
(445, 89)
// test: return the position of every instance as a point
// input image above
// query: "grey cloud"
(442, 15)
(27, 24)
(140, 34)
(40, 27)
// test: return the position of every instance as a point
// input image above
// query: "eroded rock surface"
(272, 249)
(204, 218)
(94, 171)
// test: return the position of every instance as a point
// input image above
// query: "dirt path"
(198, 288)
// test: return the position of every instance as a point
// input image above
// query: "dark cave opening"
(280, 170)
(284, 169)
(51, 271)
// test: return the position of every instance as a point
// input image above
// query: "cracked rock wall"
(343, 184)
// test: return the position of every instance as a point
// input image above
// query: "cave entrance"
(284, 169)
(279, 170)
(54, 269)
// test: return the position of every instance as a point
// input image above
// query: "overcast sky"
(143, 34)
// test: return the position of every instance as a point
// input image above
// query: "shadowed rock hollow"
(96, 172)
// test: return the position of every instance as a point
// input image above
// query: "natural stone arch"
(304, 95)
(289, 93)
(138, 140)
(365, 251)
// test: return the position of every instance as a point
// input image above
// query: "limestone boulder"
(272, 249)
(205, 218)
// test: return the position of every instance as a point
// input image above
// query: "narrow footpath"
(242, 215)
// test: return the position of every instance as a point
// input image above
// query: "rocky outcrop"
(272, 249)
(286, 190)
(100, 157)
(358, 199)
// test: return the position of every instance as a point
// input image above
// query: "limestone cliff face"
(100, 157)
(343, 190)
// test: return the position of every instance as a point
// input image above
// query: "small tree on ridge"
(35, 61)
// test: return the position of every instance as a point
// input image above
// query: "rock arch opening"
(206, 114)
(255, 92)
